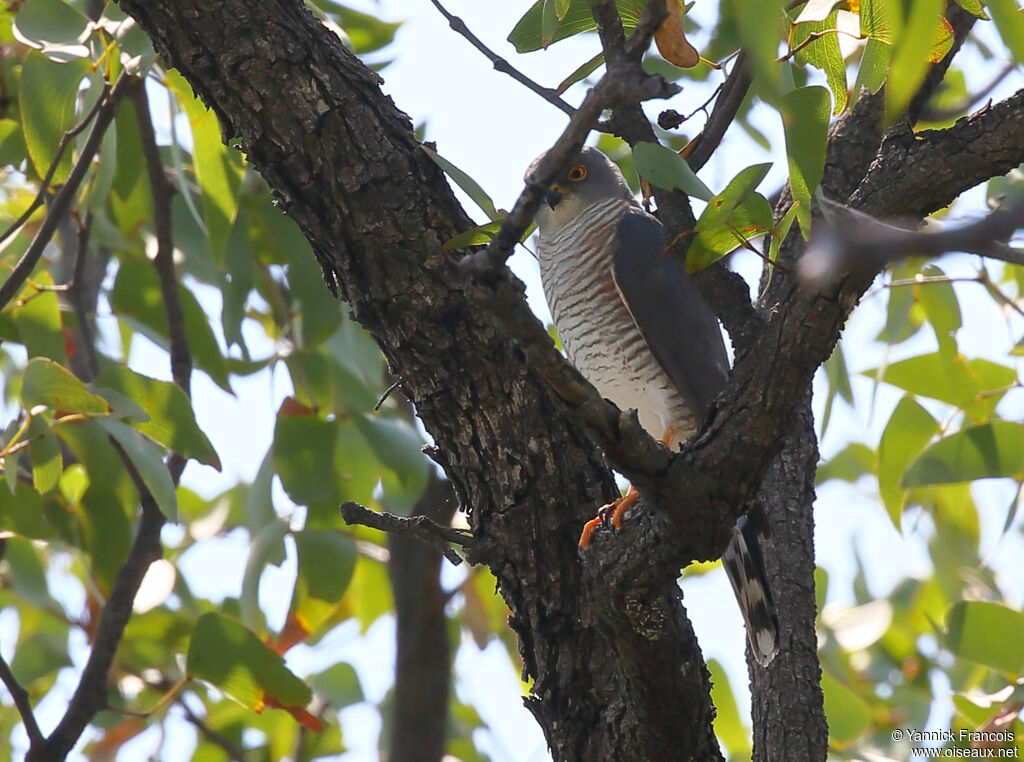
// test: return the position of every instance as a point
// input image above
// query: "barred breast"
(599, 334)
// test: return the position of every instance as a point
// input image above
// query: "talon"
(614, 510)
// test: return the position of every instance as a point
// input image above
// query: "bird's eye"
(577, 173)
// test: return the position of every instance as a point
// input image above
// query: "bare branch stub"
(436, 535)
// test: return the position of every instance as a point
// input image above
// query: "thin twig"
(21, 701)
(236, 753)
(44, 186)
(436, 535)
(162, 192)
(63, 198)
(500, 64)
(91, 694)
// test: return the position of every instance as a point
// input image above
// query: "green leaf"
(805, 115)
(581, 72)
(136, 294)
(471, 187)
(987, 633)
(21, 512)
(561, 8)
(266, 547)
(172, 421)
(369, 594)
(338, 684)
(47, 383)
(977, 390)
(750, 219)
(131, 201)
(304, 447)
(548, 23)
(12, 142)
(909, 429)
(365, 31)
(54, 28)
(320, 312)
(137, 54)
(528, 34)
(39, 322)
(667, 169)
(47, 93)
(838, 377)
(326, 562)
(148, 461)
(1010, 23)
(760, 25)
(476, 236)
(939, 301)
(973, 7)
(729, 727)
(396, 444)
(988, 451)
(849, 717)
(848, 465)
(218, 169)
(47, 463)
(874, 65)
(911, 57)
(721, 207)
(823, 53)
(230, 657)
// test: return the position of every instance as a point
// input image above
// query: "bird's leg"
(618, 507)
(613, 510)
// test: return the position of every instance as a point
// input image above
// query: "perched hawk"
(634, 324)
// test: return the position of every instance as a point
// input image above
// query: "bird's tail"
(744, 563)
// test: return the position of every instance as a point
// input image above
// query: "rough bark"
(617, 673)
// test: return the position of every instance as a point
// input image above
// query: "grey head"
(590, 178)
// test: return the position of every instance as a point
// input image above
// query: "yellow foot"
(613, 511)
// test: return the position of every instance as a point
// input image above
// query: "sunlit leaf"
(326, 560)
(670, 38)
(39, 322)
(1010, 22)
(849, 717)
(528, 32)
(218, 169)
(47, 94)
(47, 463)
(667, 169)
(229, 656)
(912, 54)
(47, 383)
(338, 684)
(172, 421)
(148, 461)
(987, 633)
(54, 28)
(848, 465)
(909, 429)
(805, 114)
(979, 452)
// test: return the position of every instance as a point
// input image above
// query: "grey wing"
(681, 330)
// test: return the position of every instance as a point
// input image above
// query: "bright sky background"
(491, 127)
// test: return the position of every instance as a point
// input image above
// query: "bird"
(633, 322)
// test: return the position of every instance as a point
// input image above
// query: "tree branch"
(422, 528)
(63, 198)
(502, 65)
(162, 191)
(21, 701)
(851, 240)
(727, 105)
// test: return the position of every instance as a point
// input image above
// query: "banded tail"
(744, 564)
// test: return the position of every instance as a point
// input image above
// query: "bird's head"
(590, 177)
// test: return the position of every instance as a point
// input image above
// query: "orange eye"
(577, 173)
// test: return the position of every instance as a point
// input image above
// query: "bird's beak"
(553, 196)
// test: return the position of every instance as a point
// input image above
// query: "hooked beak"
(552, 197)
